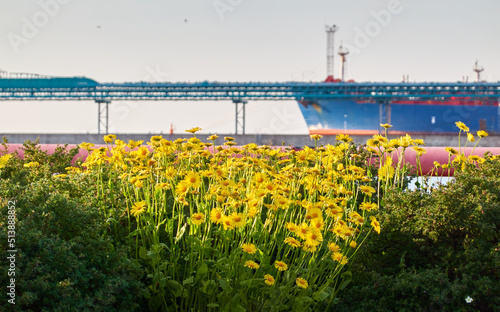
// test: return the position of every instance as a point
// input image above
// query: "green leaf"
(175, 287)
(247, 283)
(163, 282)
(111, 220)
(213, 305)
(142, 252)
(208, 287)
(152, 255)
(202, 271)
(322, 295)
(189, 280)
(346, 279)
(225, 285)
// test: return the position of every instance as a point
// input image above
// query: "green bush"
(437, 247)
(65, 261)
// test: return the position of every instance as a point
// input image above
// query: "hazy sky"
(232, 40)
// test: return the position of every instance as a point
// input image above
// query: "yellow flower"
(482, 134)
(366, 189)
(337, 256)
(462, 126)
(4, 159)
(280, 265)
(249, 248)
(192, 179)
(470, 137)
(133, 144)
(343, 138)
(309, 248)
(252, 264)
(333, 247)
(302, 230)
(216, 215)
(193, 130)
(375, 224)
(405, 141)
(292, 242)
(474, 158)
(318, 223)
(30, 164)
(138, 208)
(292, 227)
(314, 213)
(418, 142)
(155, 140)
(86, 146)
(228, 223)
(182, 187)
(269, 280)
(386, 126)
(353, 244)
(356, 218)
(419, 150)
(316, 136)
(451, 150)
(162, 185)
(138, 183)
(62, 175)
(302, 283)
(368, 206)
(239, 219)
(314, 237)
(109, 138)
(213, 137)
(198, 218)
(229, 139)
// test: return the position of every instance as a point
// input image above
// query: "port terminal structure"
(39, 88)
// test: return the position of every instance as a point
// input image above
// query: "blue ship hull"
(347, 116)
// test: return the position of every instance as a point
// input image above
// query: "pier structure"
(38, 88)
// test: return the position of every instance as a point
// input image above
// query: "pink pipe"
(438, 154)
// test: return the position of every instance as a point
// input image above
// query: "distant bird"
(99, 26)
(185, 20)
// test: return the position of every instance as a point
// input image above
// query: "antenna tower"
(478, 71)
(330, 31)
(343, 54)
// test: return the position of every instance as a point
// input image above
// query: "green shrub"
(436, 248)
(63, 260)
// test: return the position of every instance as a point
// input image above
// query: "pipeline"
(432, 154)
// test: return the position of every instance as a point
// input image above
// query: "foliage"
(63, 261)
(439, 246)
(221, 228)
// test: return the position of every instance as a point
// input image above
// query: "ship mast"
(478, 71)
(343, 54)
(330, 31)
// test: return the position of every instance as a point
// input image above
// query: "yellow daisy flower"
(280, 265)
(249, 248)
(302, 283)
(269, 279)
(198, 218)
(252, 264)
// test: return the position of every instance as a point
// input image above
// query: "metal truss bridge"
(33, 87)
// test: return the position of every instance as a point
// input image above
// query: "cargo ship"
(425, 116)
(410, 116)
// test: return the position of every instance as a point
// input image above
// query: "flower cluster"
(247, 216)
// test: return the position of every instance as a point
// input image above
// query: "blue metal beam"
(80, 88)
